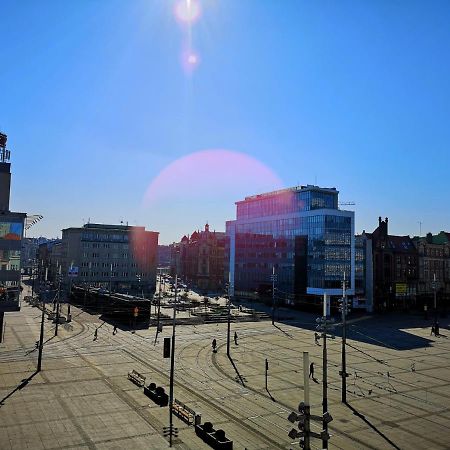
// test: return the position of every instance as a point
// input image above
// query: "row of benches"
(158, 395)
(215, 438)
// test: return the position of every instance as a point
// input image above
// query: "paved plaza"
(398, 388)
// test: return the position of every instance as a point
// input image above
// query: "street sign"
(400, 288)
(72, 272)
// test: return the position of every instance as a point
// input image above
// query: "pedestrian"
(115, 329)
(214, 345)
(436, 329)
(95, 334)
(235, 338)
(311, 370)
(432, 331)
(316, 338)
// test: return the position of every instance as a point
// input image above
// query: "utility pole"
(324, 325)
(325, 381)
(273, 278)
(307, 406)
(435, 303)
(69, 317)
(229, 314)
(58, 299)
(344, 310)
(159, 300)
(172, 365)
(41, 337)
(305, 416)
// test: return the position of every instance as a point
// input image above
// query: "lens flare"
(187, 11)
(190, 60)
(211, 176)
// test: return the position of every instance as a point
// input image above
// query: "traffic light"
(303, 422)
(344, 303)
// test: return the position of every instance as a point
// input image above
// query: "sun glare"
(187, 11)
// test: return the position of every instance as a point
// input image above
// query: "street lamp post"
(273, 278)
(58, 300)
(435, 302)
(343, 373)
(172, 364)
(41, 337)
(325, 381)
(229, 314)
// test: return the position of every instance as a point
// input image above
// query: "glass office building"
(302, 233)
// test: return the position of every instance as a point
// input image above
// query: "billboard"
(11, 231)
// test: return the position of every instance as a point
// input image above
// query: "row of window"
(107, 264)
(105, 245)
(113, 274)
(106, 255)
(87, 236)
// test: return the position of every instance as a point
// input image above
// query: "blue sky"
(348, 94)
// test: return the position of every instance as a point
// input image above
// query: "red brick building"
(395, 269)
(199, 259)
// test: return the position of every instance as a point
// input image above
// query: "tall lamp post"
(230, 290)
(41, 337)
(273, 277)
(344, 311)
(435, 302)
(172, 364)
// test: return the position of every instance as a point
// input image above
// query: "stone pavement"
(398, 389)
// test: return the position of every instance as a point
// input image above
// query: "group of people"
(435, 329)
(214, 342)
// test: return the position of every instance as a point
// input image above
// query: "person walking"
(432, 331)
(115, 330)
(214, 345)
(235, 338)
(95, 334)
(311, 370)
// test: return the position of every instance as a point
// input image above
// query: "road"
(398, 390)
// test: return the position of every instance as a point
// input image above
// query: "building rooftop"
(109, 227)
(294, 189)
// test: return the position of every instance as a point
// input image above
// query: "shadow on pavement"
(374, 428)
(385, 330)
(239, 376)
(23, 384)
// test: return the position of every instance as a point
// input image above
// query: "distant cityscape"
(292, 246)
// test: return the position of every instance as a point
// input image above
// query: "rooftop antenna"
(420, 227)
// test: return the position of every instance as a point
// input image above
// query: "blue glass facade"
(301, 232)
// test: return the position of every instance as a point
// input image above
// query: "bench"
(183, 412)
(214, 438)
(136, 378)
(157, 394)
